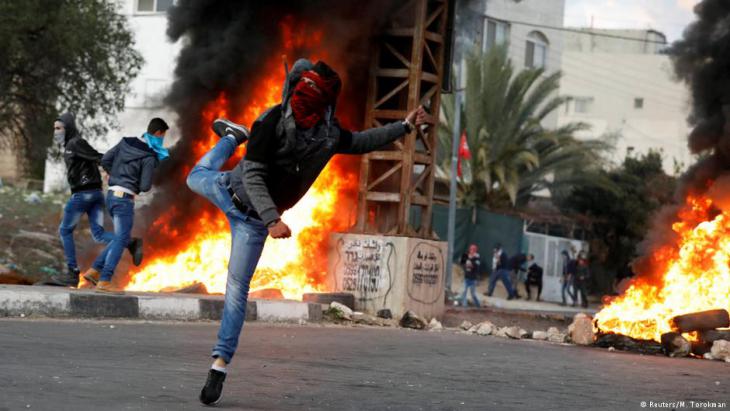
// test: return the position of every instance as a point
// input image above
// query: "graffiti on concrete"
(366, 265)
(426, 273)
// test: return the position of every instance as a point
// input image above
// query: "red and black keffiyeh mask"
(316, 90)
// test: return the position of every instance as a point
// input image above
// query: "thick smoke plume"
(702, 60)
(225, 47)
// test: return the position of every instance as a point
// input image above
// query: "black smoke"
(224, 47)
(702, 60)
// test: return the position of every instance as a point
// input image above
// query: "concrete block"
(97, 305)
(17, 300)
(212, 309)
(399, 273)
(287, 310)
(169, 308)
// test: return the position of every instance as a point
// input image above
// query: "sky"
(668, 16)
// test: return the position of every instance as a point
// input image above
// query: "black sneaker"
(69, 279)
(135, 248)
(224, 127)
(213, 389)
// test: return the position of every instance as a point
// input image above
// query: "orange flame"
(696, 277)
(294, 266)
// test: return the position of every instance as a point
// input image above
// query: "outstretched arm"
(361, 142)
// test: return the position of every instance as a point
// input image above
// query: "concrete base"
(398, 273)
(19, 300)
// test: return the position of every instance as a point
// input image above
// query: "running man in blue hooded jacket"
(130, 165)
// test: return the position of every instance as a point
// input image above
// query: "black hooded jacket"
(82, 161)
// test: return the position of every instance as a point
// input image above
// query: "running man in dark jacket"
(130, 165)
(290, 144)
(500, 271)
(82, 172)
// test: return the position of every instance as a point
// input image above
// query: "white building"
(620, 84)
(531, 30)
(148, 23)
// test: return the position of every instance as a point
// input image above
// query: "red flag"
(463, 152)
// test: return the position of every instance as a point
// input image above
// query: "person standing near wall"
(517, 271)
(534, 277)
(567, 277)
(471, 264)
(582, 275)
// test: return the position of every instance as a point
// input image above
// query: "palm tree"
(513, 154)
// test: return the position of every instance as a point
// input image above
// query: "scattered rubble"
(466, 325)
(435, 325)
(581, 330)
(484, 328)
(340, 311)
(675, 345)
(554, 335)
(500, 332)
(385, 313)
(515, 332)
(720, 350)
(539, 335)
(412, 320)
(326, 298)
(367, 319)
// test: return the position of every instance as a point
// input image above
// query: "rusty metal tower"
(406, 71)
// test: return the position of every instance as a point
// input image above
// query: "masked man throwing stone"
(289, 146)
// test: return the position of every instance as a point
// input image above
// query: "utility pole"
(452, 186)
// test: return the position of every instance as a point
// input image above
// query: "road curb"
(20, 301)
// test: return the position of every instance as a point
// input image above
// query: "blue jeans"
(122, 211)
(90, 203)
(470, 285)
(569, 288)
(504, 276)
(247, 242)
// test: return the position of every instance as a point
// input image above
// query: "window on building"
(582, 105)
(154, 6)
(495, 33)
(638, 103)
(536, 50)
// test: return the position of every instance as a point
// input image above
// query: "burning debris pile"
(685, 269)
(231, 66)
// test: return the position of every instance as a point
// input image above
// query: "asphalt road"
(104, 365)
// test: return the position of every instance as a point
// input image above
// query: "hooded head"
(315, 92)
(64, 129)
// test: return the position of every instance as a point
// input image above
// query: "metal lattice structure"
(406, 71)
